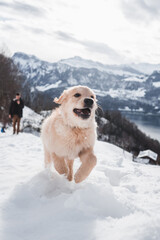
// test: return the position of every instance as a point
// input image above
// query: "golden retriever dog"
(70, 132)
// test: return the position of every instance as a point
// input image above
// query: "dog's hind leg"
(88, 160)
(70, 169)
(60, 164)
(47, 158)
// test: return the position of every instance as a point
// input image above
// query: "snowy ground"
(120, 200)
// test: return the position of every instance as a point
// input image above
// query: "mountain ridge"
(118, 87)
(139, 67)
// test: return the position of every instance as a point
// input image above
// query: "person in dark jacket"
(16, 112)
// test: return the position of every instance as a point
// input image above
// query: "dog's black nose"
(88, 102)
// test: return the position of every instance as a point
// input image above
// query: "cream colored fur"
(66, 136)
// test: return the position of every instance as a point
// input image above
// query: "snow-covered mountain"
(146, 67)
(117, 87)
(79, 62)
(119, 200)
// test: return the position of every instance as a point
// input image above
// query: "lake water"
(149, 124)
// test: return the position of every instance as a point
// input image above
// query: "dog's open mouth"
(83, 113)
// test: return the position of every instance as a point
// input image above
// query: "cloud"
(4, 19)
(91, 46)
(141, 10)
(8, 27)
(67, 4)
(66, 37)
(100, 48)
(22, 8)
(35, 30)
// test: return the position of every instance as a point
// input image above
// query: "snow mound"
(97, 200)
(48, 201)
(119, 200)
(30, 114)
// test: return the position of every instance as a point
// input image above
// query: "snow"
(100, 92)
(31, 121)
(136, 78)
(140, 109)
(119, 200)
(62, 67)
(48, 86)
(29, 114)
(23, 62)
(156, 84)
(127, 94)
(142, 160)
(122, 93)
(72, 81)
(32, 89)
(127, 109)
(104, 120)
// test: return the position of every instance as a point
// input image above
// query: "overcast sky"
(109, 31)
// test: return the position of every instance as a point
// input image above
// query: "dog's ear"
(61, 98)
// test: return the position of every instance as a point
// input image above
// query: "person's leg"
(14, 123)
(18, 124)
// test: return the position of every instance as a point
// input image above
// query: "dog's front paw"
(78, 178)
(70, 177)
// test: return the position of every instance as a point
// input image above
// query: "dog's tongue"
(86, 111)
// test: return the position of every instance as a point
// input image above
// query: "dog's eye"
(92, 96)
(77, 95)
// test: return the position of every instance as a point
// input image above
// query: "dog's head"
(78, 105)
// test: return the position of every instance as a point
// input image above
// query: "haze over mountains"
(133, 87)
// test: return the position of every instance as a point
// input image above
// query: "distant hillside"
(116, 129)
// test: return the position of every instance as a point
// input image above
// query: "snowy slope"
(31, 121)
(119, 200)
